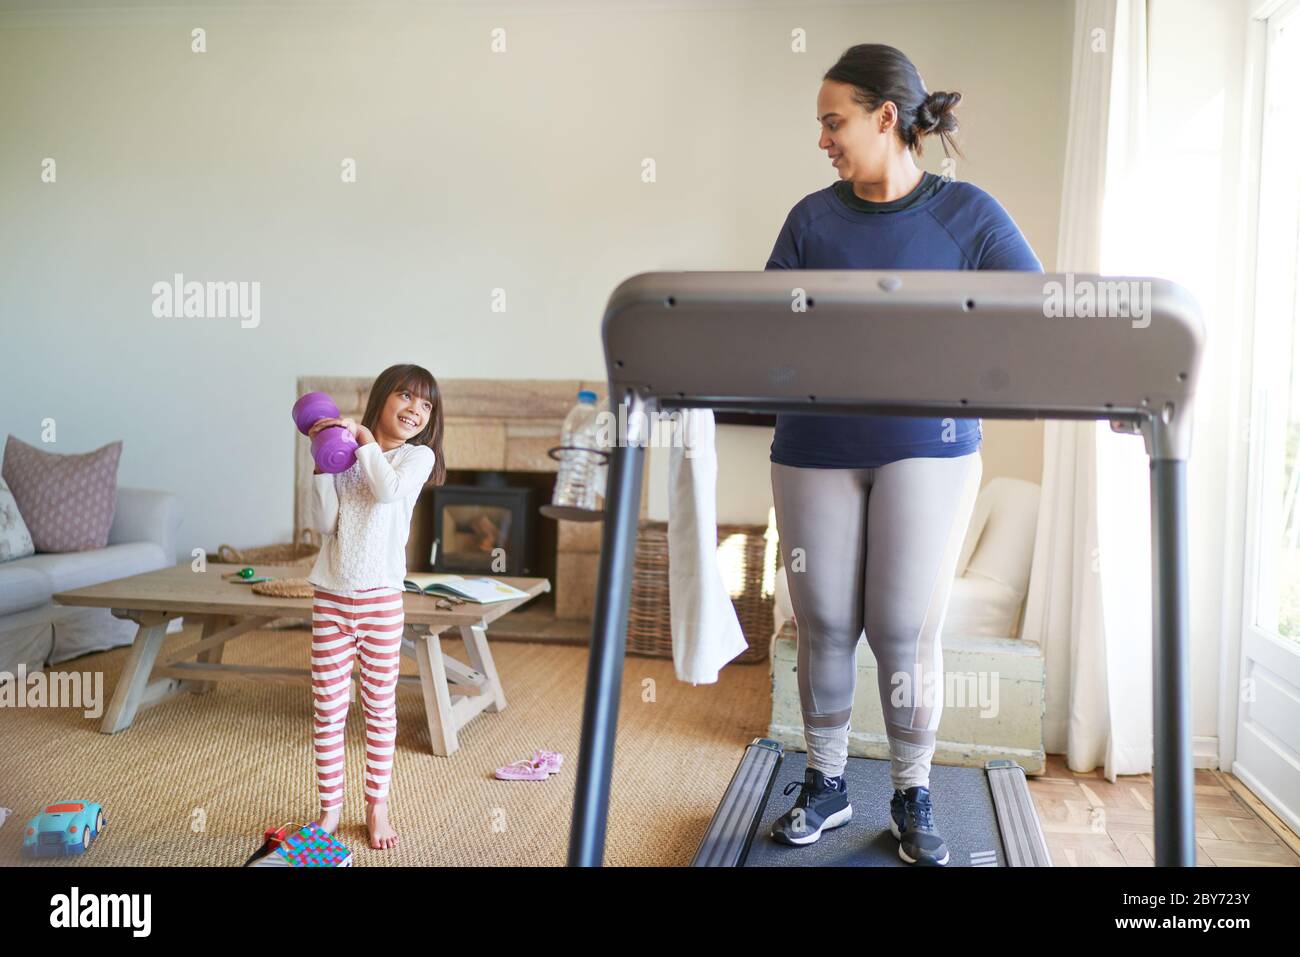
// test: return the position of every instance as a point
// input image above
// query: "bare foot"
(328, 820)
(382, 835)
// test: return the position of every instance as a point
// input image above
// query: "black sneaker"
(912, 822)
(823, 803)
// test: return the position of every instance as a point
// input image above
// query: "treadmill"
(964, 344)
(986, 816)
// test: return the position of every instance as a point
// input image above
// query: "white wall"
(475, 171)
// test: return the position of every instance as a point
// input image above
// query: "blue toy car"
(62, 829)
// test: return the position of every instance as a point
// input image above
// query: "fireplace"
(486, 528)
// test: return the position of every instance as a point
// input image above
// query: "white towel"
(706, 631)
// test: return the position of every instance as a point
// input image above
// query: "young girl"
(364, 515)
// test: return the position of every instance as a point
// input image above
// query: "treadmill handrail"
(908, 343)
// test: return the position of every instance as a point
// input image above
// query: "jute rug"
(196, 779)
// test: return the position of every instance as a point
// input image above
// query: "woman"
(872, 510)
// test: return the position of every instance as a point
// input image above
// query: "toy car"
(62, 829)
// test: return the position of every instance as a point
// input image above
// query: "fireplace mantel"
(503, 425)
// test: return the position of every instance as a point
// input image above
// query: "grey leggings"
(873, 548)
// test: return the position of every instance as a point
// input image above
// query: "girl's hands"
(319, 424)
(358, 431)
(322, 424)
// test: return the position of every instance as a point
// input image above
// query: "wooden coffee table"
(454, 692)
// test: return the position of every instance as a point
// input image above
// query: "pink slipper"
(551, 760)
(524, 770)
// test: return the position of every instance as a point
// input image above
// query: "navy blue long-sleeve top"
(941, 224)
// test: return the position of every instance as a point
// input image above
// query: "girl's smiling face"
(405, 414)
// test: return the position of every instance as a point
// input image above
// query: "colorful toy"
(65, 828)
(294, 845)
(335, 448)
(246, 576)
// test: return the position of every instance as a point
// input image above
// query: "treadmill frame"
(668, 341)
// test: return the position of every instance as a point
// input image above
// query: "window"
(1276, 598)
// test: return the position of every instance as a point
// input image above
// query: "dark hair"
(419, 381)
(878, 73)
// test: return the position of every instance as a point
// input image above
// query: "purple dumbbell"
(334, 449)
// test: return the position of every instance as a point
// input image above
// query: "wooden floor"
(1090, 822)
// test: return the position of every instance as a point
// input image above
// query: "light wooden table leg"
(480, 656)
(437, 696)
(134, 680)
(211, 625)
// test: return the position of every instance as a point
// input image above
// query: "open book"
(481, 590)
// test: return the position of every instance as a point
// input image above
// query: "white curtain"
(1089, 599)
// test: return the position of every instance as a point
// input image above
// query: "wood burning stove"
(487, 528)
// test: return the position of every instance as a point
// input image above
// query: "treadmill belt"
(963, 812)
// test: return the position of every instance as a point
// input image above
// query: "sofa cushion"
(999, 543)
(22, 586)
(15, 539)
(67, 501)
(980, 607)
(68, 570)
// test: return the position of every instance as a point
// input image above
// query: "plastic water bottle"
(602, 461)
(576, 484)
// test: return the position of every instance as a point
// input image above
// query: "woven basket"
(302, 552)
(649, 622)
(285, 588)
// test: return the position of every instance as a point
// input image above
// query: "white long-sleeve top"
(364, 517)
(706, 631)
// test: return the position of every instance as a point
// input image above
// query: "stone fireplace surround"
(500, 425)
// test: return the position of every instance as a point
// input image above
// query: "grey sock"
(909, 764)
(828, 749)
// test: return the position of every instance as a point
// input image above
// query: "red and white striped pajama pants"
(342, 627)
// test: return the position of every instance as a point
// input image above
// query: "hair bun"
(935, 112)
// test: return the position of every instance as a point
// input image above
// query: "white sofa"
(36, 632)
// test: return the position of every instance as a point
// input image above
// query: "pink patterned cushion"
(67, 501)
